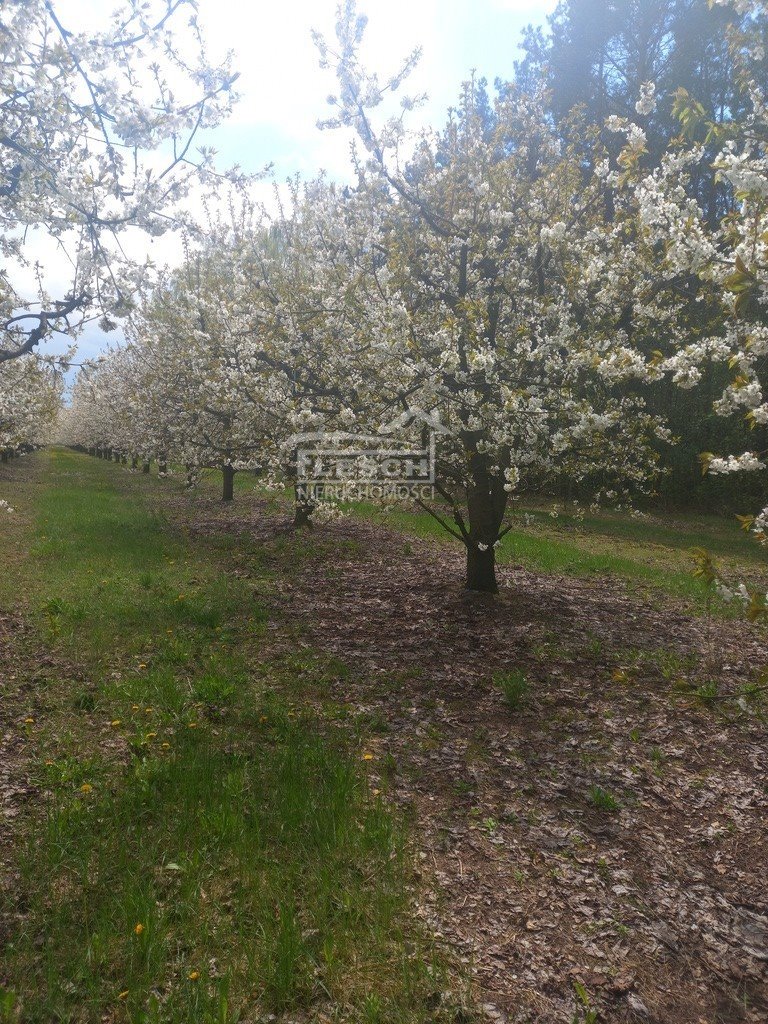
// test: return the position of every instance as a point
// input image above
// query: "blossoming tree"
(509, 298)
(96, 135)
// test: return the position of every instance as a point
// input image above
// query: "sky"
(283, 91)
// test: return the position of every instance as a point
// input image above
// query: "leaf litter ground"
(608, 835)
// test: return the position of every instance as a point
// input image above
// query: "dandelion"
(115, 722)
(151, 735)
(194, 975)
(148, 711)
(142, 665)
(86, 787)
(367, 757)
(134, 707)
(139, 928)
(29, 721)
(166, 746)
(192, 725)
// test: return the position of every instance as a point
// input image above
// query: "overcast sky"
(283, 90)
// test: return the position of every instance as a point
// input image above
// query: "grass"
(514, 687)
(208, 850)
(646, 554)
(602, 799)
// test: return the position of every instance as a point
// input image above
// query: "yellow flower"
(151, 735)
(142, 665)
(148, 711)
(123, 995)
(263, 718)
(139, 928)
(193, 725)
(166, 746)
(29, 721)
(115, 723)
(134, 707)
(86, 787)
(194, 975)
(367, 757)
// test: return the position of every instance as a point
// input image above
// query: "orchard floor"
(597, 853)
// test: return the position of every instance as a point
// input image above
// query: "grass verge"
(207, 850)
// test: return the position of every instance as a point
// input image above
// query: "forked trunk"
(228, 488)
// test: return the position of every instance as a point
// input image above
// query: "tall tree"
(600, 54)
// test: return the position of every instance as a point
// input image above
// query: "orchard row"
(511, 288)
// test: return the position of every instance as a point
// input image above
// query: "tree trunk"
(228, 488)
(145, 468)
(134, 463)
(303, 507)
(486, 504)
(481, 570)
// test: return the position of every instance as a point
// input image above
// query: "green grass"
(645, 554)
(602, 799)
(514, 686)
(207, 850)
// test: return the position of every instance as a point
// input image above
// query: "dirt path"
(657, 907)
